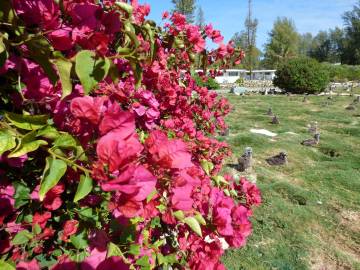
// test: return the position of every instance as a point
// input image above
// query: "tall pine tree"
(246, 40)
(185, 7)
(283, 43)
(200, 18)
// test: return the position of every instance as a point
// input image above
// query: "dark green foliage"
(327, 46)
(351, 53)
(302, 75)
(209, 82)
(343, 73)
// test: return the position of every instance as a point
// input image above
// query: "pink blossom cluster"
(151, 150)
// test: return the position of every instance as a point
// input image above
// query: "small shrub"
(207, 82)
(302, 75)
(240, 82)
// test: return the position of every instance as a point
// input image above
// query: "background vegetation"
(302, 76)
(208, 82)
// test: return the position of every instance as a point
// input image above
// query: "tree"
(327, 46)
(283, 43)
(252, 57)
(321, 47)
(246, 40)
(251, 28)
(337, 38)
(351, 51)
(185, 7)
(305, 44)
(200, 19)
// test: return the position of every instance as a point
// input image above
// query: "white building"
(232, 75)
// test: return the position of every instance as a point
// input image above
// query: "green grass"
(310, 216)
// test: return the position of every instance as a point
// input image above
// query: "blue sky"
(228, 15)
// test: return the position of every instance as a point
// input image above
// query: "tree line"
(338, 45)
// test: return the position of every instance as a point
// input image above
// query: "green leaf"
(200, 219)
(48, 132)
(79, 257)
(90, 69)
(40, 51)
(28, 137)
(65, 141)
(27, 122)
(45, 262)
(161, 207)
(179, 215)
(169, 259)
(219, 179)
(207, 166)
(22, 237)
(194, 225)
(2, 44)
(84, 188)
(27, 218)
(54, 170)
(3, 57)
(125, 7)
(6, 266)
(159, 243)
(137, 73)
(151, 196)
(155, 223)
(47, 66)
(57, 252)
(27, 148)
(64, 67)
(22, 195)
(134, 249)
(7, 141)
(36, 229)
(7, 14)
(80, 240)
(234, 193)
(136, 220)
(88, 214)
(133, 39)
(151, 37)
(114, 250)
(144, 263)
(146, 235)
(179, 43)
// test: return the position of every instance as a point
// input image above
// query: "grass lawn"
(310, 216)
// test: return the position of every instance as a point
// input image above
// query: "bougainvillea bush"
(108, 150)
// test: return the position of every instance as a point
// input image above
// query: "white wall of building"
(232, 75)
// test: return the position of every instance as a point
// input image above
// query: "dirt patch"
(295, 117)
(338, 243)
(351, 219)
(321, 261)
